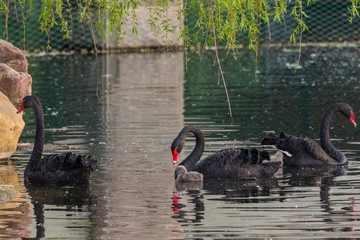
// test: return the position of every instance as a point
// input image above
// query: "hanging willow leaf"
(230, 17)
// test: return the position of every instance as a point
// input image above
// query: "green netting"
(328, 22)
(27, 34)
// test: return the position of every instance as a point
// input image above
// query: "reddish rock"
(13, 57)
(15, 85)
(15, 82)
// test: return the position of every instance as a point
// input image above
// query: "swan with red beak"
(307, 152)
(247, 162)
(64, 169)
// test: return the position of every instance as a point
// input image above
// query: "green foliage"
(354, 10)
(223, 19)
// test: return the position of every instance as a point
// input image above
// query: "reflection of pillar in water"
(143, 111)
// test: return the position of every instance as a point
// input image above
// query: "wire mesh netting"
(327, 22)
(24, 30)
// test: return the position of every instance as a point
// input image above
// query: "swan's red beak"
(21, 108)
(352, 119)
(175, 156)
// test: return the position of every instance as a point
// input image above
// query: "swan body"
(226, 163)
(184, 176)
(305, 151)
(67, 168)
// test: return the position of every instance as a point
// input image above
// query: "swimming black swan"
(67, 168)
(226, 163)
(304, 150)
(185, 176)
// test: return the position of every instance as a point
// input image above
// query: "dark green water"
(126, 109)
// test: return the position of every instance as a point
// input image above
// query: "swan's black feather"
(63, 169)
(304, 151)
(236, 163)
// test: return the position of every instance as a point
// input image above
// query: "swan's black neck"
(196, 154)
(39, 137)
(325, 135)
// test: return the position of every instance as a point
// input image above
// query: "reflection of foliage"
(228, 18)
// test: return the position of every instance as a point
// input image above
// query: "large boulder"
(13, 57)
(15, 82)
(11, 127)
(15, 85)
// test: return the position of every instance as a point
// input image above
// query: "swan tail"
(253, 155)
(73, 161)
(88, 162)
(269, 139)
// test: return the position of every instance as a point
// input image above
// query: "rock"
(11, 127)
(15, 82)
(15, 85)
(13, 57)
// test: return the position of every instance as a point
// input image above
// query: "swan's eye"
(352, 119)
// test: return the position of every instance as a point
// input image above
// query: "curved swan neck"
(196, 154)
(39, 137)
(325, 135)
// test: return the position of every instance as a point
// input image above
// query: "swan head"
(346, 110)
(176, 148)
(352, 119)
(175, 154)
(27, 102)
(181, 170)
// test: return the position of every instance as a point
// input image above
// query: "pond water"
(125, 110)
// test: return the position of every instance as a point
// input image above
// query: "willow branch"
(300, 40)
(218, 59)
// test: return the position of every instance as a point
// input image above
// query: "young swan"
(185, 176)
(277, 157)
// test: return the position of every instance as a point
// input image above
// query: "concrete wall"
(148, 37)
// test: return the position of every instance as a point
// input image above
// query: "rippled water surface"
(126, 109)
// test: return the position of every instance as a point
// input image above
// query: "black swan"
(305, 151)
(69, 169)
(185, 176)
(226, 163)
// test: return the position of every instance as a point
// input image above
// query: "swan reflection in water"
(190, 198)
(234, 190)
(325, 179)
(71, 199)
